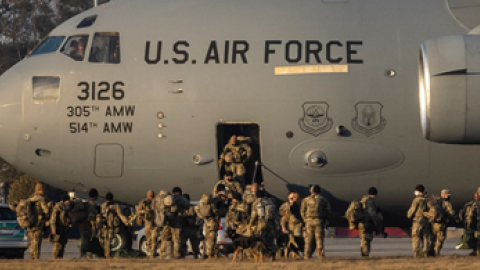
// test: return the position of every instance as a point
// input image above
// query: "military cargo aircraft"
(348, 94)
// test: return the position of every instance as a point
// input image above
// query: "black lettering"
(288, 48)
(315, 52)
(85, 91)
(180, 52)
(118, 112)
(147, 53)
(212, 53)
(240, 52)
(129, 110)
(108, 112)
(227, 50)
(269, 51)
(351, 52)
(127, 127)
(329, 51)
(102, 91)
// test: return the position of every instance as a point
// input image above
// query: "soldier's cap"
(315, 189)
(177, 190)
(39, 188)
(93, 193)
(150, 194)
(445, 192)
(372, 191)
(220, 187)
(109, 196)
(420, 188)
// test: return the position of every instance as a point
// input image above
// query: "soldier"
(35, 232)
(468, 215)
(173, 206)
(234, 157)
(191, 229)
(262, 221)
(109, 221)
(314, 210)
(439, 228)
(207, 210)
(371, 221)
(291, 219)
(87, 226)
(477, 231)
(231, 186)
(237, 216)
(146, 218)
(60, 224)
(420, 228)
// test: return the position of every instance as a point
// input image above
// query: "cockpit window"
(75, 47)
(105, 48)
(50, 44)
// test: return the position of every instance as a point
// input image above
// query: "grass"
(400, 263)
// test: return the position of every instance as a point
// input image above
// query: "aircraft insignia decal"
(368, 119)
(315, 119)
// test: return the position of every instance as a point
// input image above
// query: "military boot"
(320, 253)
(477, 253)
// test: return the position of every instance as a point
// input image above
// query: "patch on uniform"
(368, 119)
(315, 119)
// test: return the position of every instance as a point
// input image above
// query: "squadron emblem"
(315, 119)
(368, 119)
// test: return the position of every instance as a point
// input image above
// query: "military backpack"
(354, 214)
(109, 217)
(265, 209)
(79, 213)
(435, 211)
(26, 214)
(63, 217)
(205, 206)
(159, 206)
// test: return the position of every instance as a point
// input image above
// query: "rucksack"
(63, 218)
(205, 206)
(435, 209)
(354, 214)
(159, 206)
(110, 216)
(79, 213)
(265, 209)
(22, 210)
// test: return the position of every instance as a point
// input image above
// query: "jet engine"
(449, 78)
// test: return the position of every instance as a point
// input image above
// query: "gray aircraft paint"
(384, 37)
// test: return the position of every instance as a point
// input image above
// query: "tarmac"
(334, 247)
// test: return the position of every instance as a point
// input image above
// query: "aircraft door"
(109, 160)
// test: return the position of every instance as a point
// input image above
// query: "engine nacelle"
(449, 76)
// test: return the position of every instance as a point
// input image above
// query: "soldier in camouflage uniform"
(87, 227)
(234, 156)
(191, 230)
(439, 229)
(291, 220)
(477, 229)
(263, 226)
(371, 221)
(420, 226)
(42, 211)
(109, 221)
(60, 224)
(314, 210)
(211, 220)
(231, 186)
(146, 218)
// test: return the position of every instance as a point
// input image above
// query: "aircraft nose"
(10, 114)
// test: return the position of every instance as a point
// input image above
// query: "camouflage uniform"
(290, 222)
(477, 232)
(61, 224)
(87, 228)
(263, 228)
(420, 227)
(109, 221)
(237, 217)
(172, 231)
(146, 217)
(35, 233)
(191, 231)
(314, 223)
(230, 188)
(370, 223)
(211, 227)
(235, 157)
(439, 229)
